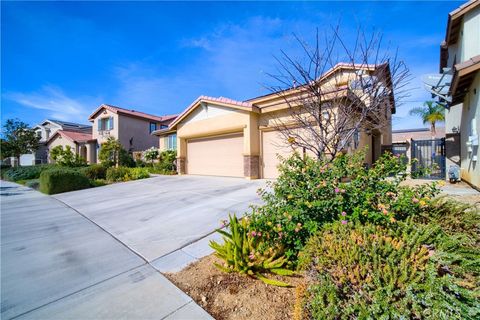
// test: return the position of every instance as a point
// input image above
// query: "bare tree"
(337, 91)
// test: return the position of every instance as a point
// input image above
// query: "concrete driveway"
(91, 254)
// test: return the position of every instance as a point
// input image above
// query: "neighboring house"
(132, 128)
(45, 130)
(81, 143)
(405, 135)
(460, 58)
(220, 136)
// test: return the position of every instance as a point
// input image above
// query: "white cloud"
(56, 103)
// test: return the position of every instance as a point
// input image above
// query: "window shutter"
(111, 123)
(99, 122)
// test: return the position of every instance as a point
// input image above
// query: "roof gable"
(221, 101)
(131, 113)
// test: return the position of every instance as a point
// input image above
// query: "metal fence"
(428, 158)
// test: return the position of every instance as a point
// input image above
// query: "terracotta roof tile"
(132, 112)
(75, 136)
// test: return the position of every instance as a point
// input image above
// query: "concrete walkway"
(58, 264)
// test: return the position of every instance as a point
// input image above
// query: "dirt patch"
(233, 296)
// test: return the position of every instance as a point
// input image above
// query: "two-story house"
(47, 130)
(460, 60)
(132, 128)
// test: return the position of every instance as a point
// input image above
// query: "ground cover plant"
(366, 271)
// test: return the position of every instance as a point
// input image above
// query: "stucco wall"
(470, 124)
(469, 42)
(60, 141)
(139, 131)
(103, 136)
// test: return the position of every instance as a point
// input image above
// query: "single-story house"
(81, 143)
(224, 137)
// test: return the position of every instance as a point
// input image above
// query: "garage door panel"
(219, 156)
(273, 144)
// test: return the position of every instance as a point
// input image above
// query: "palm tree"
(431, 112)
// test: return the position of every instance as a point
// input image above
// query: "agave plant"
(243, 251)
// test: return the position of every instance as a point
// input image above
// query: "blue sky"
(63, 59)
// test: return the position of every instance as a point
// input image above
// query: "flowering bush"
(309, 193)
(244, 251)
(166, 163)
(151, 154)
(66, 157)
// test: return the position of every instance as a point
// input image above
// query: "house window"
(105, 124)
(172, 142)
(153, 126)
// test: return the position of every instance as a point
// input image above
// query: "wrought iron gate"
(428, 158)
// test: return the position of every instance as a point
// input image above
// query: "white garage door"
(216, 156)
(273, 143)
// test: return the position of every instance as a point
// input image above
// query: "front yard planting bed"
(233, 296)
(355, 243)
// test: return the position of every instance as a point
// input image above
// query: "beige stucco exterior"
(86, 150)
(102, 135)
(211, 127)
(462, 119)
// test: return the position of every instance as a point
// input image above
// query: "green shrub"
(309, 193)
(66, 157)
(126, 159)
(59, 180)
(374, 272)
(25, 173)
(240, 252)
(126, 174)
(95, 171)
(151, 155)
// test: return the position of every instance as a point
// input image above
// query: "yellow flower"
(392, 219)
(441, 183)
(422, 203)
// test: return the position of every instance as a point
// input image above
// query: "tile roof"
(75, 136)
(132, 112)
(225, 100)
(213, 100)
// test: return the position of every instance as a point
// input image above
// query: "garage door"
(216, 156)
(273, 143)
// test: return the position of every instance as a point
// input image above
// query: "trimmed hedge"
(25, 173)
(95, 171)
(62, 180)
